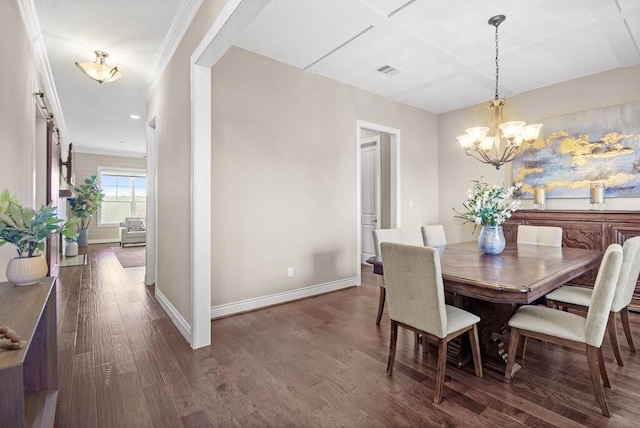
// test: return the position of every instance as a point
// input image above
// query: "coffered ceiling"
(443, 50)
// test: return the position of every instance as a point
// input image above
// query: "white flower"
(487, 205)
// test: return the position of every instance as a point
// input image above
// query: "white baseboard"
(284, 297)
(181, 324)
(252, 304)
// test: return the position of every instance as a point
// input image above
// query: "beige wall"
(284, 175)
(17, 115)
(456, 170)
(86, 165)
(170, 104)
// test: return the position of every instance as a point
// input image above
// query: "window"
(125, 195)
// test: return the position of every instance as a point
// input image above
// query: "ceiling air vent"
(388, 70)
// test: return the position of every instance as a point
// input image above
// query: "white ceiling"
(445, 49)
(96, 116)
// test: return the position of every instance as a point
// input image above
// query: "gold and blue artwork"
(575, 150)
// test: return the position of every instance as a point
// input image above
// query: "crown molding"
(106, 152)
(32, 26)
(179, 27)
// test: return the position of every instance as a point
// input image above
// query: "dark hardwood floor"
(314, 362)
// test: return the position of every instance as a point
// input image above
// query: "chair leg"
(624, 314)
(613, 336)
(383, 295)
(511, 356)
(442, 364)
(592, 360)
(417, 340)
(603, 369)
(392, 346)
(524, 347)
(475, 350)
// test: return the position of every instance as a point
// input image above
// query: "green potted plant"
(28, 230)
(84, 205)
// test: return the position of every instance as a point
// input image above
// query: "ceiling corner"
(32, 26)
(177, 31)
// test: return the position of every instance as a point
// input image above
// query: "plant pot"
(83, 237)
(26, 271)
(71, 249)
(491, 240)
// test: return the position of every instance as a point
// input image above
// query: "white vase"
(71, 249)
(26, 271)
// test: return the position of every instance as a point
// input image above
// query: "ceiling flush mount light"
(502, 141)
(99, 70)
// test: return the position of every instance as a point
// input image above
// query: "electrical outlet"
(290, 272)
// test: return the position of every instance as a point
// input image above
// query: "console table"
(593, 230)
(29, 376)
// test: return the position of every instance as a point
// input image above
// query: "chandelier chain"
(497, 66)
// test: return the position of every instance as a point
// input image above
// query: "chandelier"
(486, 144)
(99, 70)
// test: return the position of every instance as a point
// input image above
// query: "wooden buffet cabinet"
(29, 376)
(593, 230)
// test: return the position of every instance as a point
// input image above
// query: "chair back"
(415, 291)
(386, 235)
(628, 274)
(602, 296)
(549, 236)
(433, 235)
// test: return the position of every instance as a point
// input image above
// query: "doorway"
(378, 175)
(370, 214)
(152, 229)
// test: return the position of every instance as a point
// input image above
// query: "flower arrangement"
(487, 205)
(28, 229)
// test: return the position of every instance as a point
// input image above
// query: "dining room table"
(493, 286)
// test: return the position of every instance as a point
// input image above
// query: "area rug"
(79, 260)
(130, 256)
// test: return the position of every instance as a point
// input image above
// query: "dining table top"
(522, 273)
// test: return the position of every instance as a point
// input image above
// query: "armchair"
(133, 230)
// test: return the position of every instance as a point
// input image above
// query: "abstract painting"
(574, 150)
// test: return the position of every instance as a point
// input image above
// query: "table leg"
(492, 330)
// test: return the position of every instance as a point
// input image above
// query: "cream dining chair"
(580, 297)
(380, 236)
(413, 279)
(433, 235)
(572, 330)
(550, 236)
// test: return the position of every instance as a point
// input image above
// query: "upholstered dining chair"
(413, 279)
(380, 236)
(580, 297)
(433, 235)
(550, 236)
(572, 330)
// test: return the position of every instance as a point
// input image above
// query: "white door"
(370, 193)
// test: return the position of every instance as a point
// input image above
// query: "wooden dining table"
(493, 286)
